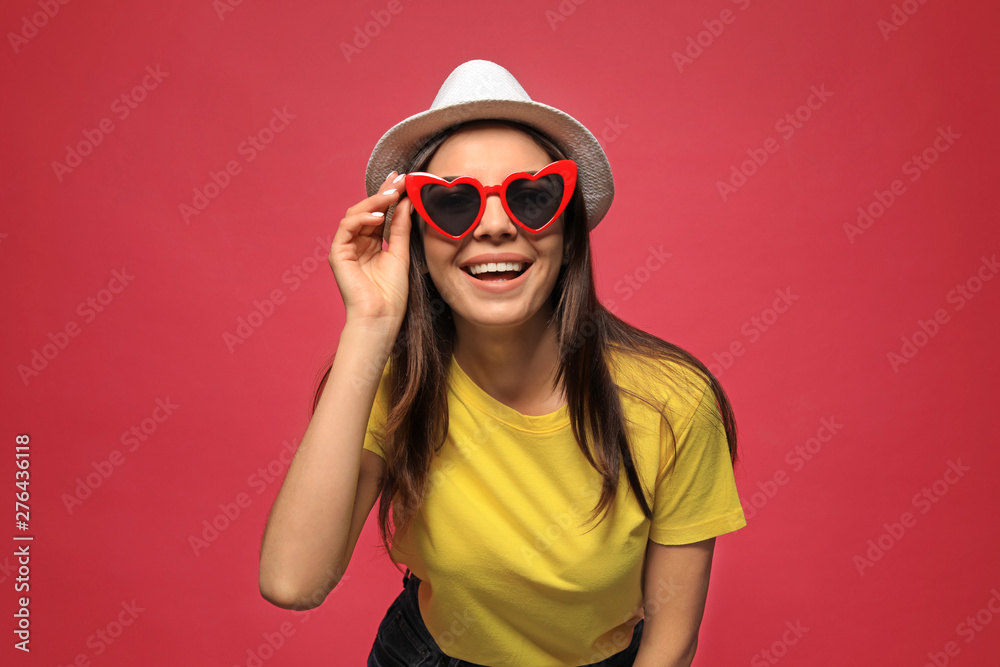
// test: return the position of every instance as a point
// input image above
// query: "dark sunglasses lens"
(535, 202)
(454, 208)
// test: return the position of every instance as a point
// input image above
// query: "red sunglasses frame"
(565, 168)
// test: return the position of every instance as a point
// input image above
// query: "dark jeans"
(404, 641)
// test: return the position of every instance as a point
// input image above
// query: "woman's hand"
(374, 282)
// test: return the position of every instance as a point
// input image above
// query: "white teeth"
(476, 269)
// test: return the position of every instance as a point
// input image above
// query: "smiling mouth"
(496, 276)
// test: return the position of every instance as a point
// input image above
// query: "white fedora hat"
(483, 90)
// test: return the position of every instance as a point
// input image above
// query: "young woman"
(555, 477)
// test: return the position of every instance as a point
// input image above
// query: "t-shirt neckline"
(468, 389)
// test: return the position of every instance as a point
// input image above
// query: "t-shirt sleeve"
(376, 420)
(696, 496)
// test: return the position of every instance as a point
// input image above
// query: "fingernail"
(389, 175)
(399, 178)
(378, 214)
(390, 192)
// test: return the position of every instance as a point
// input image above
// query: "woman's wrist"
(379, 329)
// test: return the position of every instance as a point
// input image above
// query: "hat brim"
(398, 145)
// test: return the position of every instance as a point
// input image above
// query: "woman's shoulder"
(662, 382)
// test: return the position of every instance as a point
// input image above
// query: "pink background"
(673, 129)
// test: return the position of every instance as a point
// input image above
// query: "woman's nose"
(495, 221)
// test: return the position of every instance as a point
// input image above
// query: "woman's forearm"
(308, 527)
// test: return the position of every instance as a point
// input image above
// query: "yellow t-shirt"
(509, 574)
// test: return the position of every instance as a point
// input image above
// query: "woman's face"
(489, 154)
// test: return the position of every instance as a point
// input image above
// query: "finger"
(368, 224)
(399, 231)
(388, 192)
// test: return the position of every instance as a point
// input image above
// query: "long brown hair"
(417, 423)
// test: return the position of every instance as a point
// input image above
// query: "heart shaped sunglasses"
(455, 207)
